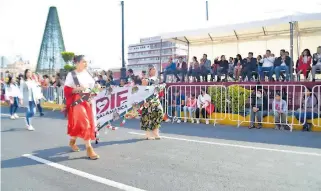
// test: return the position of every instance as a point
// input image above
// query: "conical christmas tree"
(50, 59)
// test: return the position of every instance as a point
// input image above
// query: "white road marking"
(237, 146)
(83, 174)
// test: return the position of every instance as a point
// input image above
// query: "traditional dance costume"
(79, 111)
(152, 111)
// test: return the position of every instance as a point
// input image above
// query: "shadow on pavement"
(48, 114)
(18, 162)
(58, 154)
(122, 142)
(267, 136)
(14, 130)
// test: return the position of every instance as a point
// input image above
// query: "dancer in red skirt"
(79, 111)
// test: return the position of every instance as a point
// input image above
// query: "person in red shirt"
(304, 63)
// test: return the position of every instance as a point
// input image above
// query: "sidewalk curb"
(46, 105)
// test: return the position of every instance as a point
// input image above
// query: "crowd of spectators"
(261, 68)
(197, 106)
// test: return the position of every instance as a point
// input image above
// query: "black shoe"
(308, 127)
(259, 126)
(251, 127)
(41, 114)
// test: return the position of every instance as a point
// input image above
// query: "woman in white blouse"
(203, 106)
(81, 119)
(28, 88)
(13, 96)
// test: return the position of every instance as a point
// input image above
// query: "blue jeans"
(190, 110)
(14, 106)
(167, 72)
(262, 71)
(31, 110)
(278, 71)
(259, 115)
(183, 73)
(177, 110)
(39, 107)
(307, 115)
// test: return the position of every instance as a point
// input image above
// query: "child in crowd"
(190, 107)
(280, 109)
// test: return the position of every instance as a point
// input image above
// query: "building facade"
(153, 51)
(15, 68)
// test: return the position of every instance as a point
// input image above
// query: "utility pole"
(206, 10)
(123, 68)
(291, 50)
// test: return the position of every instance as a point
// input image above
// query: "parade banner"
(113, 103)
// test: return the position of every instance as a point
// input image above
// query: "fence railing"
(242, 105)
(234, 103)
(266, 109)
(185, 99)
(316, 91)
(53, 94)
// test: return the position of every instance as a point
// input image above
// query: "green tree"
(218, 97)
(69, 67)
(68, 57)
(238, 97)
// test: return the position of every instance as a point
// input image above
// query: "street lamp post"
(123, 69)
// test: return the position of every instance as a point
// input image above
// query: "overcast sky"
(93, 27)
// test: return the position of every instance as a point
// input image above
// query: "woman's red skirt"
(81, 121)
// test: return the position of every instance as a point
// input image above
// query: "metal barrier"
(186, 98)
(244, 102)
(54, 97)
(316, 103)
(53, 94)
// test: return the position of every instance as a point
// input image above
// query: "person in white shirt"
(316, 63)
(267, 65)
(13, 96)
(39, 94)
(28, 88)
(80, 113)
(203, 102)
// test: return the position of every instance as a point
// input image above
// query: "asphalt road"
(189, 157)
